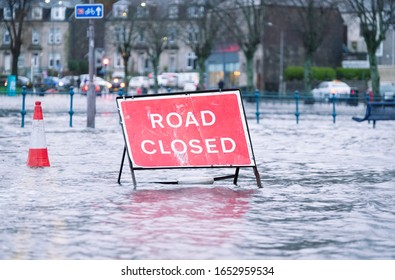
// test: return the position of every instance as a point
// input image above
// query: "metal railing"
(261, 103)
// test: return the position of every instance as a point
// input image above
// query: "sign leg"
(236, 176)
(133, 175)
(120, 169)
(258, 177)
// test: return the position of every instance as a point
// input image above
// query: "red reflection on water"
(194, 216)
(218, 202)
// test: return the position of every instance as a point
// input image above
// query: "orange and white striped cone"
(38, 153)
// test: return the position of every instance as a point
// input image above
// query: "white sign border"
(120, 100)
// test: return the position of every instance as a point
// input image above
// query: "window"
(35, 60)
(8, 14)
(58, 13)
(118, 61)
(193, 34)
(142, 12)
(141, 63)
(54, 60)
(6, 37)
(191, 61)
(35, 37)
(172, 35)
(54, 36)
(195, 11)
(172, 62)
(119, 33)
(173, 12)
(141, 36)
(37, 13)
(7, 62)
(120, 11)
(21, 61)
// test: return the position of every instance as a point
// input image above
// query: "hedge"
(352, 74)
(327, 73)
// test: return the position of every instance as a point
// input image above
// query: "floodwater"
(329, 191)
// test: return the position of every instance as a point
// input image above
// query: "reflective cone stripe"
(38, 112)
(38, 153)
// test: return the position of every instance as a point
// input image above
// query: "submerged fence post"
(334, 107)
(71, 112)
(23, 111)
(257, 97)
(297, 106)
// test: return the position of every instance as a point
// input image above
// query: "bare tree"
(154, 27)
(125, 36)
(244, 20)
(17, 11)
(315, 17)
(375, 18)
(201, 32)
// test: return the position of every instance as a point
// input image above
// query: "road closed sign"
(203, 129)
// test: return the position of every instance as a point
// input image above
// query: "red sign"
(186, 130)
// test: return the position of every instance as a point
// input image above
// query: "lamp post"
(393, 44)
(281, 74)
(106, 61)
(91, 94)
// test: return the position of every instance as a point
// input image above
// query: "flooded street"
(328, 191)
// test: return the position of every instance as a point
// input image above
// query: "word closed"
(194, 130)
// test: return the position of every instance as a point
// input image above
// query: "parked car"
(138, 85)
(67, 81)
(117, 83)
(23, 81)
(326, 90)
(50, 82)
(20, 81)
(102, 84)
(139, 81)
(163, 81)
(85, 87)
(190, 86)
(387, 91)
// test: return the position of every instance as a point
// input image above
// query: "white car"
(139, 81)
(103, 85)
(387, 91)
(326, 90)
(190, 86)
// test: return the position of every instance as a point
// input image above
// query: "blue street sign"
(86, 11)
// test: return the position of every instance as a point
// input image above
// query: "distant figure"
(221, 84)
(144, 90)
(78, 84)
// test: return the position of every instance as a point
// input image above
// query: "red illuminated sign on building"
(186, 130)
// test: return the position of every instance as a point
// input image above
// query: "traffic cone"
(38, 153)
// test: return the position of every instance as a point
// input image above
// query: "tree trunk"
(307, 74)
(15, 57)
(155, 70)
(126, 66)
(374, 76)
(250, 71)
(202, 72)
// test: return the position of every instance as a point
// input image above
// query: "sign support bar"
(234, 176)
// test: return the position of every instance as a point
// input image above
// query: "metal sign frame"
(136, 114)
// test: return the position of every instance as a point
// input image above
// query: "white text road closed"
(186, 130)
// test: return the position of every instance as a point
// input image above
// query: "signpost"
(90, 11)
(186, 130)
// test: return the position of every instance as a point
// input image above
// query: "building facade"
(53, 37)
(45, 42)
